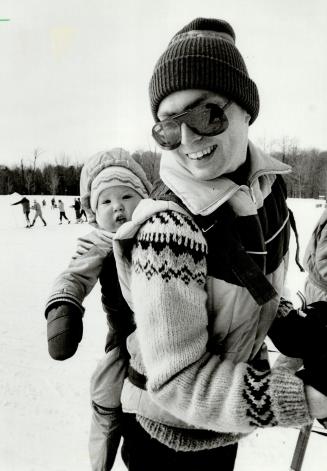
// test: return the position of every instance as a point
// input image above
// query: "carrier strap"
(137, 378)
(293, 226)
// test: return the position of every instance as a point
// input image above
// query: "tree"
(36, 154)
(308, 169)
(29, 181)
(22, 173)
(51, 178)
(150, 162)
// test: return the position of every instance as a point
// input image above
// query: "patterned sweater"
(218, 397)
(204, 290)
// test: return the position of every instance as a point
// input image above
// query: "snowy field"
(44, 405)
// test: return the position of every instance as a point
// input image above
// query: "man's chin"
(205, 173)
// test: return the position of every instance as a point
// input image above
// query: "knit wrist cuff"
(59, 298)
(288, 399)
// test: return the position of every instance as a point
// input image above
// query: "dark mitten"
(316, 375)
(65, 330)
(323, 422)
(302, 333)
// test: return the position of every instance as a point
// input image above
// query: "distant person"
(315, 289)
(315, 262)
(112, 185)
(25, 202)
(44, 203)
(38, 213)
(82, 211)
(62, 213)
(53, 203)
(83, 214)
(77, 208)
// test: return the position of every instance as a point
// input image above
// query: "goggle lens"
(207, 119)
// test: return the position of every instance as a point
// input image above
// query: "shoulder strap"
(241, 263)
(162, 192)
(293, 226)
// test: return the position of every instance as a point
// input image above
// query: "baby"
(111, 186)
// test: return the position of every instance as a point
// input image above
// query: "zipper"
(258, 174)
(254, 199)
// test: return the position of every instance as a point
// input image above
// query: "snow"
(44, 404)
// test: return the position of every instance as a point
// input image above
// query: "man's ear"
(247, 118)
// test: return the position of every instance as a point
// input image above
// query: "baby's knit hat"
(203, 55)
(107, 169)
(113, 176)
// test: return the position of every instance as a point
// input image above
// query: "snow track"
(44, 404)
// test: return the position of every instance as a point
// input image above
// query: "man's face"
(115, 206)
(208, 157)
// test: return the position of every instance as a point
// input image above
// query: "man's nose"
(188, 136)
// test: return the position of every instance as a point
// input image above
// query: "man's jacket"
(205, 284)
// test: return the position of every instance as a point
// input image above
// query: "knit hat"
(107, 169)
(113, 176)
(203, 55)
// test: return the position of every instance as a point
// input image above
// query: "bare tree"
(63, 160)
(29, 180)
(52, 179)
(22, 172)
(150, 162)
(36, 154)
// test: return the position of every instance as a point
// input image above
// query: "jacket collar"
(204, 197)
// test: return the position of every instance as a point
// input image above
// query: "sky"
(74, 74)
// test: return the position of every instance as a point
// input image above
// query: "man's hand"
(64, 331)
(317, 402)
(302, 333)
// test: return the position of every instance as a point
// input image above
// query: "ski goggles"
(206, 119)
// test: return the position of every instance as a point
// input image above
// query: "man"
(38, 213)
(77, 207)
(25, 202)
(207, 275)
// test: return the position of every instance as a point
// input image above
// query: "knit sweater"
(221, 400)
(201, 307)
(204, 399)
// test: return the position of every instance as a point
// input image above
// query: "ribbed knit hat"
(102, 170)
(115, 176)
(203, 55)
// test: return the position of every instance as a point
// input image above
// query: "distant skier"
(53, 203)
(62, 213)
(25, 202)
(38, 213)
(83, 213)
(77, 207)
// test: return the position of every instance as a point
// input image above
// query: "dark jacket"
(25, 204)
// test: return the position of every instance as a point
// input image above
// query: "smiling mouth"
(202, 154)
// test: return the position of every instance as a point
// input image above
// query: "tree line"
(307, 180)
(309, 170)
(60, 178)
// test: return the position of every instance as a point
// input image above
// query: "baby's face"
(115, 206)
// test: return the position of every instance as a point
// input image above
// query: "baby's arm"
(64, 309)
